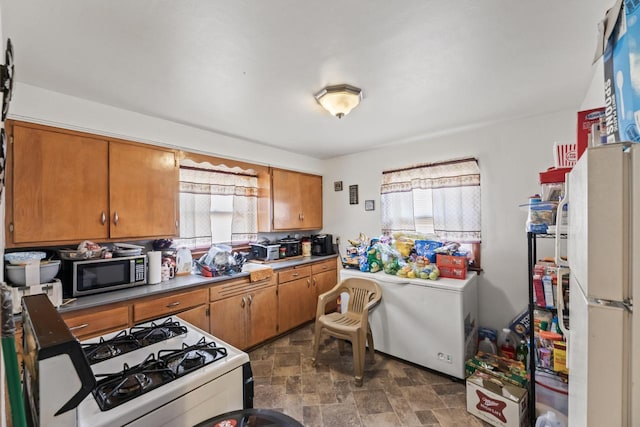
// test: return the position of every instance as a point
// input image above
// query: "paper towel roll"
(155, 267)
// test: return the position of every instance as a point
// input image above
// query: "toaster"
(53, 290)
(264, 252)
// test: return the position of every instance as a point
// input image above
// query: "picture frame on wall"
(353, 194)
(337, 186)
(369, 205)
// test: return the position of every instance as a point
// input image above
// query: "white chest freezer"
(432, 323)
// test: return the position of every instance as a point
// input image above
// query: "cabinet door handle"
(243, 303)
(250, 298)
(173, 304)
(103, 218)
(314, 281)
(308, 283)
(84, 325)
(116, 218)
(176, 223)
(296, 274)
(302, 216)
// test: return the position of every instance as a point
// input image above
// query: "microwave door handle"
(132, 270)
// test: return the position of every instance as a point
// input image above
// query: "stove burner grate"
(106, 349)
(189, 358)
(154, 333)
(133, 339)
(118, 388)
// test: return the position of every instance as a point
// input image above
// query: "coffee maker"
(322, 244)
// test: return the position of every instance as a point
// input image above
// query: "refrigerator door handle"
(563, 202)
(560, 290)
(626, 305)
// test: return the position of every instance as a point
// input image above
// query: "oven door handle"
(87, 379)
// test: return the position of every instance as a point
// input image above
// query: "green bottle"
(522, 352)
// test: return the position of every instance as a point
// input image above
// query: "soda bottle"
(508, 349)
(506, 344)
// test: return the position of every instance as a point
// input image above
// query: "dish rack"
(75, 254)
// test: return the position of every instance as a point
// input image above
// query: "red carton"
(585, 120)
(451, 261)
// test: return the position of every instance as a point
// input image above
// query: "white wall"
(510, 155)
(34, 104)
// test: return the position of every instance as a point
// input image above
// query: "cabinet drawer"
(293, 274)
(238, 287)
(168, 305)
(324, 266)
(97, 322)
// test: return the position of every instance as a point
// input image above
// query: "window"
(442, 199)
(217, 205)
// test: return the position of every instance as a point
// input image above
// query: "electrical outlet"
(445, 357)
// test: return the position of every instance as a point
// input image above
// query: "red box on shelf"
(553, 175)
(585, 120)
(453, 272)
(451, 261)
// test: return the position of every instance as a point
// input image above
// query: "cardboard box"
(521, 324)
(496, 402)
(504, 369)
(586, 119)
(622, 72)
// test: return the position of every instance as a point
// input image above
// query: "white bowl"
(48, 270)
(23, 257)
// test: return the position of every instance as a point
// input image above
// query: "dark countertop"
(175, 284)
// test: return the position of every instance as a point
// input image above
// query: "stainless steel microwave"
(93, 276)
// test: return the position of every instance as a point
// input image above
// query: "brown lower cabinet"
(197, 316)
(244, 313)
(296, 297)
(325, 278)
(298, 291)
(238, 311)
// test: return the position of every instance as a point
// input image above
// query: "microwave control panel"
(140, 269)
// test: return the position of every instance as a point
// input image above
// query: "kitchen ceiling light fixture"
(339, 100)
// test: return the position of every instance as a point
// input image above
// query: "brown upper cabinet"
(296, 202)
(65, 186)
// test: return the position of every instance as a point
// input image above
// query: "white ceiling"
(250, 68)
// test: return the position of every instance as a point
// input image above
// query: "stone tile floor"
(394, 393)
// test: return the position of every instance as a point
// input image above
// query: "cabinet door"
(297, 200)
(323, 282)
(262, 324)
(227, 320)
(311, 193)
(59, 186)
(196, 316)
(287, 204)
(296, 303)
(143, 191)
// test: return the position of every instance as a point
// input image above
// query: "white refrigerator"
(603, 252)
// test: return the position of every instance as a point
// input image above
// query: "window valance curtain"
(217, 204)
(455, 190)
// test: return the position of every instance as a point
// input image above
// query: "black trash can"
(251, 418)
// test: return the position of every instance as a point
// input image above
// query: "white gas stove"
(163, 373)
